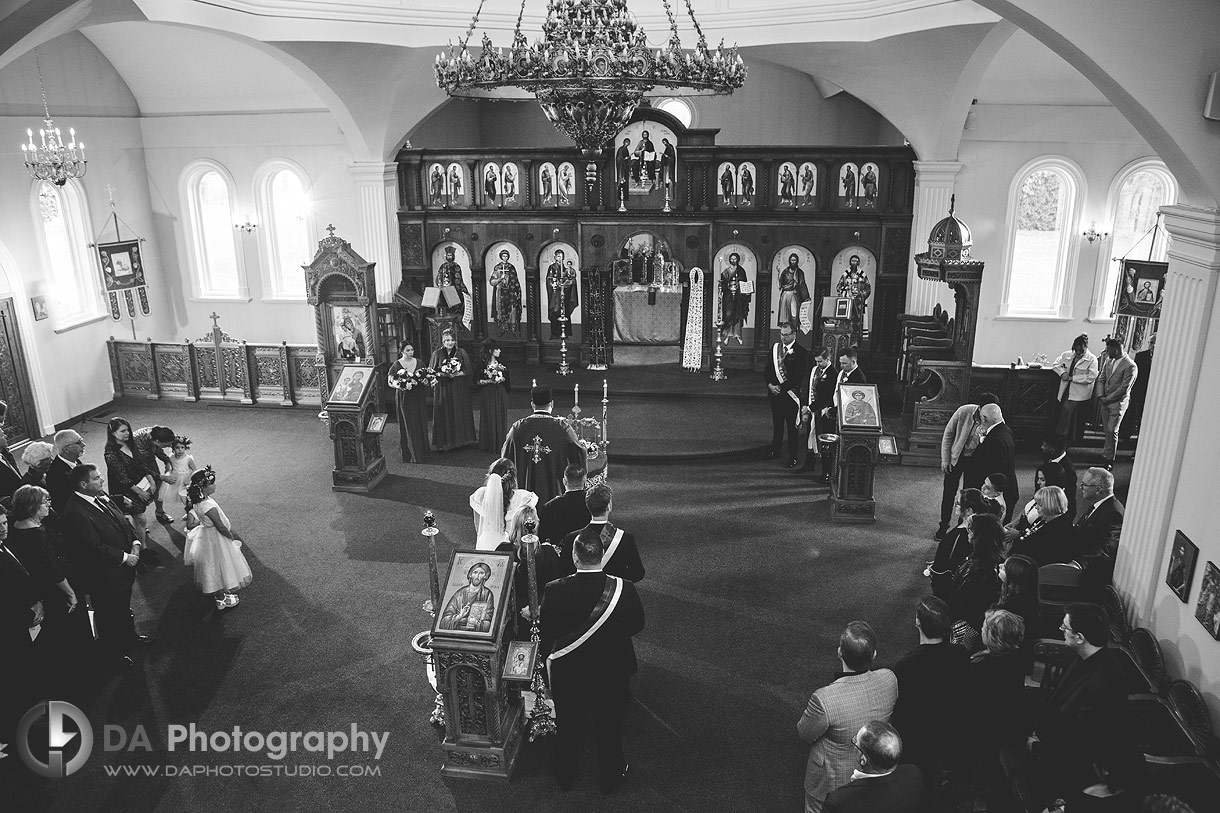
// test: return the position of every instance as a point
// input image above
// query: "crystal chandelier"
(54, 160)
(590, 69)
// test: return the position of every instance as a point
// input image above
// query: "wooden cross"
(215, 321)
(536, 446)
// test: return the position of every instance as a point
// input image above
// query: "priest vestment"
(542, 446)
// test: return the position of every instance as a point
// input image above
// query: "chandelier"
(590, 69)
(54, 160)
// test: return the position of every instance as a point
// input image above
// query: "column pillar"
(1190, 300)
(377, 199)
(934, 184)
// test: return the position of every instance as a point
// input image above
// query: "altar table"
(637, 322)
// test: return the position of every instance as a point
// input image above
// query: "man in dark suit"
(586, 623)
(785, 375)
(850, 372)
(621, 555)
(931, 685)
(105, 552)
(69, 446)
(1098, 529)
(20, 609)
(879, 784)
(818, 403)
(566, 513)
(1054, 450)
(997, 452)
(1087, 708)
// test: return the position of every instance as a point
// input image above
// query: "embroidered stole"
(692, 348)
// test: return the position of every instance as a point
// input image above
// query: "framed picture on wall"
(1181, 570)
(1208, 608)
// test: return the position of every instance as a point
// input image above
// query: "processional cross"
(536, 446)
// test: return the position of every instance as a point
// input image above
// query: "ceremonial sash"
(618, 537)
(692, 349)
(779, 371)
(601, 613)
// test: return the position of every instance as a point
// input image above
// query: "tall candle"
(576, 394)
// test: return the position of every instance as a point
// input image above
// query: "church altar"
(647, 315)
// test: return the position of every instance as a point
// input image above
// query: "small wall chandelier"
(54, 160)
(590, 69)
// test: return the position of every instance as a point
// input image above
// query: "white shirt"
(859, 774)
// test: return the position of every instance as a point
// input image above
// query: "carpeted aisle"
(748, 587)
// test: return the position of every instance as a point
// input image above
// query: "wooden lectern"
(851, 490)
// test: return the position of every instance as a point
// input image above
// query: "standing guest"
(785, 377)
(494, 386)
(1077, 370)
(954, 549)
(835, 712)
(496, 502)
(995, 683)
(543, 446)
(931, 685)
(819, 401)
(977, 585)
(1019, 596)
(546, 564)
(21, 610)
(150, 444)
(1099, 528)
(131, 484)
(622, 555)
(850, 372)
(1113, 389)
(453, 414)
(212, 546)
(996, 452)
(69, 446)
(566, 513)
(1049, 539)
(411, 399)
(38, 455)
(182, 466)
(1139, 389)
(1054, 450)
(957, 445)
(587, 620)
(879, 784)
(105, 552)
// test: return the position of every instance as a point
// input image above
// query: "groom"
(786, 372)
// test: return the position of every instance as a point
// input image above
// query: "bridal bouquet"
(422, 377)
(451, 366)
(494, 372)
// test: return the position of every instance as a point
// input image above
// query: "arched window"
(680, 109)
(64, 234)
(1044, 212)
(285, 229)
(1135, 196)
(211, 239)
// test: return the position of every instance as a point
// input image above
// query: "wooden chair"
(1188, 703)
(1144, 650)
(1112, 603)
(1058, 586)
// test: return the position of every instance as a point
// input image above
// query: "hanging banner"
(1142, 288)
(123, 270)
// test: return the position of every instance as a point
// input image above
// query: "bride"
(497, 502)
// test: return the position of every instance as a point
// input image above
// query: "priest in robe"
(542, 446)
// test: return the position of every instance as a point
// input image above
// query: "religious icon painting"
(736, 280)
(438, 184)
(349, 332)
(1208, 608)
(123, 270)
(807, 185)
(567, 184)
(869, 174)
(548, 184)
(793, 271)
(350, 386)
(559, 270)
(853, 275)
(491, 183)
(726, 179)
(475, 595)
(504, 268)
(859, 410)
(456, 185)
(849, 186)
(786, 184)
(1143, 288)
(645, 154)
(520, 660)
(1181, 572)
(747, 184)
(451, 275)
(510, 184)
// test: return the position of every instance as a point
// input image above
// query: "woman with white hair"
(39, 456)
(1049, 538)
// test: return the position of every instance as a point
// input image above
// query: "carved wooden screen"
(21, 423)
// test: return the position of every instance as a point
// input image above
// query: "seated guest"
(931, 685)
(879, 784)
(622, 556)
(567, 512)
(69, 446)
(1123, 773)
(976, 586)
(1049, 539)
(1086, 707)
(1048, 474)
(1099, 527)
(1019, 596)
(1054, 450)
(38, 455)
(994, 486)
(835, 713)
(996, 683)
(954, 549)
(546, 563)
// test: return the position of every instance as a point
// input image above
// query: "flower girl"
(211, 545)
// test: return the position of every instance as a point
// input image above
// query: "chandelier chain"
(520, 14)
(41, 87)
(475, 21)
(698, 30)
(673, 25)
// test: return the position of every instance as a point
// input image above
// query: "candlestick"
(529, 542)
(434, 581)
(576, 395)
(718, 373)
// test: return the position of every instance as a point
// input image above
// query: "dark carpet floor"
(748, 586)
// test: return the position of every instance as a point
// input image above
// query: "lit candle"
(576, 394)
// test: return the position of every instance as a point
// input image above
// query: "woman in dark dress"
(453, 416)
(977, 585)
(1048, 474)
(494, 387)
(1050, 539)
(546, 565)
(125, 475)
(954, 549)
(411, 399)
(995, 685)
(1019, 596)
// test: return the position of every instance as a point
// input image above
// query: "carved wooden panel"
(205, 360)
(411, 238)
(349, 443)
(21, 422)
(471, 695)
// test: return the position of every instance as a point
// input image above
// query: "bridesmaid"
(494, 387)
(453, 416)
(412, 406)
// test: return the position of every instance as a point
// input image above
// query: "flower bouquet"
(494, 372)
(451, 366)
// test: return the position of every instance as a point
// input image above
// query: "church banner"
(1142, 288)
(123, 272)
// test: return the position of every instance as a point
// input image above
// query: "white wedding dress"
(490, 518)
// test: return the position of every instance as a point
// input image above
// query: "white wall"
(243, 143)
(1004, 139)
